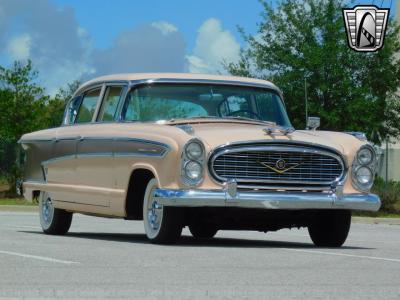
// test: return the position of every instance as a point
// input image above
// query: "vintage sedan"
(208, 152)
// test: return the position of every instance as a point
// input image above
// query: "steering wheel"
(251, 113)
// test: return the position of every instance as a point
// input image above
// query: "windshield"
(173, 101)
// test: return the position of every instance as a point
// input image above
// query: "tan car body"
(87, 167)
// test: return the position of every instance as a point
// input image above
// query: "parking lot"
(103, 258)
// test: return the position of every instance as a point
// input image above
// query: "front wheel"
(201, 230)
(330, 228)
(162, 225)
(53, 220)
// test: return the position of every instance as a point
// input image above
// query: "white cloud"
(18, 48)
(65, 72)
(165, 27)
(142, 49)
(213, 46)
(62, 50)
(48, 35)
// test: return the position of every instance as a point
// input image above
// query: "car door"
(94, 159)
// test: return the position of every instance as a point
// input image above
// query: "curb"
(18, 208)
(372, 220)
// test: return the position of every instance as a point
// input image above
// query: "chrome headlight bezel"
(189, 152)
(187, 158)
(358, 164)
(196, 164)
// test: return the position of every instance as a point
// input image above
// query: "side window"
(88, 106)
(72, 110)
(110, 103)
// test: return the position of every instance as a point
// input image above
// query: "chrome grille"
(258, 165)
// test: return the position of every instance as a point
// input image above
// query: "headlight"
(194, 150)
(365, 156)
(364, 176)
(193, 162)
(363, 169)
(193, 170)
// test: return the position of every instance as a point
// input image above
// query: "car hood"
(218, 134)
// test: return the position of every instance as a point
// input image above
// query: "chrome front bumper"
(267, 199)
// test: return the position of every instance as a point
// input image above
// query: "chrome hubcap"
(47, 211)
(154, 215)
(152, 211)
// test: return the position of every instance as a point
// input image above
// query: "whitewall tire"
(53, 220)
(162, 225)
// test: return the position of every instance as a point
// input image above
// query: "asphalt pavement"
(108, 258)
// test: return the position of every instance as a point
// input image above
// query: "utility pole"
(386, 162)
(305, 97)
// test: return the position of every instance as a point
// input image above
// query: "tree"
(21, 108)
(56, 105)
(305, 40)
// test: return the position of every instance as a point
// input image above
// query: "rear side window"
(88, 106)
(110, 103)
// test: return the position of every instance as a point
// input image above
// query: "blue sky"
(186, 15)
(72, 39)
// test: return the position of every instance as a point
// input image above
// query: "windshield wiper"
(225, 118)
(191, 118)
(250, 119)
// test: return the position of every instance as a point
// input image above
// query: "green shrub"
(389, 194)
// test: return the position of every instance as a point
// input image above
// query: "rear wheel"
(53, 220)
(202, 230)
(330, 228)
(162, 225)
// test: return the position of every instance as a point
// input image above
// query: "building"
(392, 150)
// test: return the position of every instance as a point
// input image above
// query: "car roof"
(183, 77)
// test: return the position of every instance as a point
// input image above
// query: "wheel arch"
(139, 178)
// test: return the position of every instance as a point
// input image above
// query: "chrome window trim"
(86, 88)
(142, 82)
(92, 88)
(287, 147)
(270, 86)
(99, 102)
(124, 92)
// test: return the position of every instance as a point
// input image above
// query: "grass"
(15, 201)
(378, 214)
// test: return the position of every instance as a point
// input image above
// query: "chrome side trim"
(269, 146)
(111, 139)
(267, 200)
(29, 141)
(100, 154)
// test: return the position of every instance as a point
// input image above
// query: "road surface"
(107, 258)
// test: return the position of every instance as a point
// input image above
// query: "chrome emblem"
(365, 26)
(280, 166)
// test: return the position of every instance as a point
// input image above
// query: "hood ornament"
(278, 130)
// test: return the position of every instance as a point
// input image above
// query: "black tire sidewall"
(330, 228)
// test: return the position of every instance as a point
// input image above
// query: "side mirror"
(313, 123)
